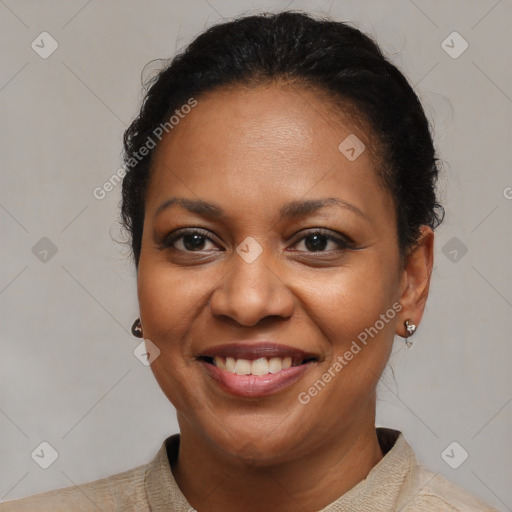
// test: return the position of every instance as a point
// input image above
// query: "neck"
(216, 482)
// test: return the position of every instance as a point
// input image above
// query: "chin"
(252, 446)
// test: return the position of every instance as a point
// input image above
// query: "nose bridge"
(251, 290)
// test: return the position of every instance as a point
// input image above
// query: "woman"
(280, 197)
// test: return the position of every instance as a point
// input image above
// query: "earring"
(137, 328)
(410, 328)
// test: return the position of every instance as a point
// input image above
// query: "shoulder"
(417, 489)
(120, 492)
(431, 492)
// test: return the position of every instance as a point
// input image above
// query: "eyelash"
(170, 240)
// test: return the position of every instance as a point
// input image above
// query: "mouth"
(260, 366)
(256, 369)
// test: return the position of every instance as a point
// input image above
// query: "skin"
(250, 152)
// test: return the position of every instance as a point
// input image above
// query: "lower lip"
(255, 385)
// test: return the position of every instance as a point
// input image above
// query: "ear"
(415, 280)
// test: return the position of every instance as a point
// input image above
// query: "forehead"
(296, 121)
(275, 140)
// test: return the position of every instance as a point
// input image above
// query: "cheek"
(335, 308)
(170, 299)
(349, 301)
(173, 306)
(341, 303)
(169, 303)
(354, 312)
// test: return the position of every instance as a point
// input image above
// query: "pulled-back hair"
(321, 54)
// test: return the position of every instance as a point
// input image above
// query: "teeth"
(261, 366)
(275, 365)
(243, 367)
(219, 362)
(230, 364)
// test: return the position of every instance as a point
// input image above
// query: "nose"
(251, 292)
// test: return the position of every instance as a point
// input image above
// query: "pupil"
(197, 243)
(318, 244)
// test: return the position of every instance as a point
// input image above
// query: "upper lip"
(257, 349)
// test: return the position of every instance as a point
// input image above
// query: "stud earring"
(411, 329)
(137, 328)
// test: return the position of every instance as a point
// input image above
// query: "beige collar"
(380, 490)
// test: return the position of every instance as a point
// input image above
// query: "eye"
(196, 240)
(318, 240)
(187, 240)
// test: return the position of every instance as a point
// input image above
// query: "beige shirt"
(396, 483)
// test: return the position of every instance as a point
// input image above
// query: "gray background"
(68, 372)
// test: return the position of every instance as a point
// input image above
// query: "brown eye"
(317, 241)
(191, 240)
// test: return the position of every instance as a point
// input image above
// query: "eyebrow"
(291, 210)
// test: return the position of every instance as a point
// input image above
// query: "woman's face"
(270, 273)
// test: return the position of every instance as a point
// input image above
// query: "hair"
(319, 54)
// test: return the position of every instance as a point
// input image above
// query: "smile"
(255, 370)
(260, 366)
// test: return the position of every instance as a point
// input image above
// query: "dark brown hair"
(291, 46)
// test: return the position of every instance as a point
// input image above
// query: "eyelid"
(341, 240)
(167, 241)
